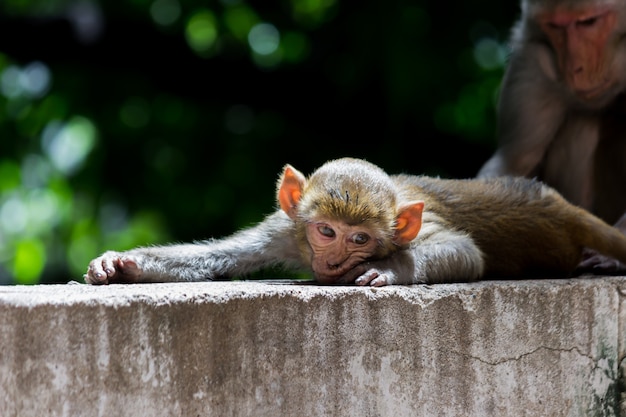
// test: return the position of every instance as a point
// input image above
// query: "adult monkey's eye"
(326, 230)
(360, 238)
(587, 22)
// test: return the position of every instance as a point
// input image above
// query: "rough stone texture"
(507, 348)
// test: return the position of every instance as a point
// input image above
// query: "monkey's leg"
(597, 263)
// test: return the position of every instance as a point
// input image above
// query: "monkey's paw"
(375, 278)
(113, 267)
(598, 264)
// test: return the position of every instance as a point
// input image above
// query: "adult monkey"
(562, 107)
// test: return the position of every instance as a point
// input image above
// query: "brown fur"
(521, 226)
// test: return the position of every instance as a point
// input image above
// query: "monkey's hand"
(395, 269)
(113, 267)
(368, 274)
(376, 277)
(599, 264)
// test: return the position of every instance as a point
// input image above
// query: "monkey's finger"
(110, 265)
(380, 281)
(601, 264)
(366, 278)
(609, 265)
(96, 273)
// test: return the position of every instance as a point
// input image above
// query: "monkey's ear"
(408, 222)
(290, 190)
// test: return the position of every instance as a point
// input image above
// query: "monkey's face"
(337, 247)
(585, 40)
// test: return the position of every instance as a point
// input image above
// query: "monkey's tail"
(602, 237)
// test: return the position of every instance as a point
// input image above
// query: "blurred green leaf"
(29, 261)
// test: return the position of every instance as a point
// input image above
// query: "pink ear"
(290, 190)
(408, 222)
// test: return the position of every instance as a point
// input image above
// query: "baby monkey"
(352, 223)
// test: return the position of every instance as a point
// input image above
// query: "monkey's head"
(346, 213)
(586, 39)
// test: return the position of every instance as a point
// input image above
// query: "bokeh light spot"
(264, 38)
(32, 82)
(43, 210)
(239, 20)
(165, 12)
(29, 261)
(10, 82)
(489, 54)
(36, 79)
(36, 171)
(67, 145)
(13, 215)
(201, 31)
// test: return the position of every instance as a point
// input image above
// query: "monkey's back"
(522, 226)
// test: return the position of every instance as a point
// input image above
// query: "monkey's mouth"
(341, 276)
(332, 275)
(329, 276)
(345, 273)
(597, 93)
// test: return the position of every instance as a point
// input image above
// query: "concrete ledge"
(506, 348)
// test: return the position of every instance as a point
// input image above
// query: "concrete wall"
(528, 348)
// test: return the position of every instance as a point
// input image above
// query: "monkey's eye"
(360, 238)
(587, 22)
(326, 230)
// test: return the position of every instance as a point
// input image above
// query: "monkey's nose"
(332, 265)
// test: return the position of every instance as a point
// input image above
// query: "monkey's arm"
(438, 256)
(269, 243)
(530, 111)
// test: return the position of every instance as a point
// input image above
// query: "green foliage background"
(151, 121)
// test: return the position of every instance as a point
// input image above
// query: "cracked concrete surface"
(500, 348)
